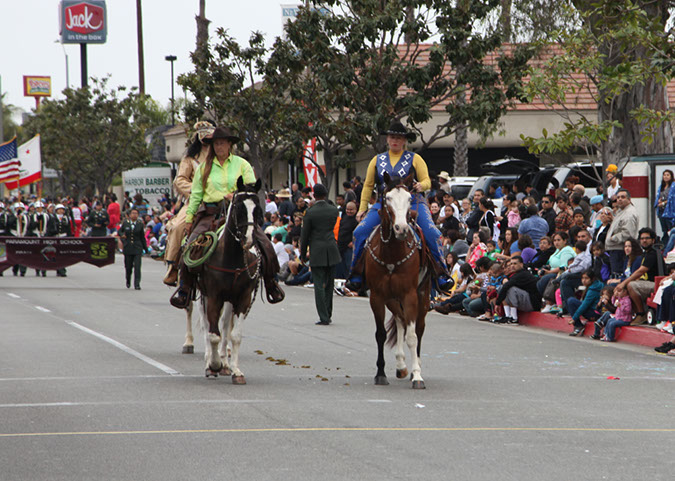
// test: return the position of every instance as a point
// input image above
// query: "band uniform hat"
(397, 128)
(284, 194)
(612, 168)
(223, 133)
(320, 190)
(444, 175)
(59, 206)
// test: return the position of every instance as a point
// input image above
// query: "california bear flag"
(31, 164)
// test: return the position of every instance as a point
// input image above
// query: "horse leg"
(412, 340)
(377, 306)
(401, 369)
(213, 363)
(226, 329)
(236, 335)
(189, 346)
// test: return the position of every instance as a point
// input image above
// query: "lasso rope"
(213, 237)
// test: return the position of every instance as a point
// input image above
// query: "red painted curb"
(641, 335)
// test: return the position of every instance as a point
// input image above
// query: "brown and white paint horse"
(399, 279)
(229, 281)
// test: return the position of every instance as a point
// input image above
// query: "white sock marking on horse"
(189, 338)
(411, 339)
(236, 335)
(400, 353)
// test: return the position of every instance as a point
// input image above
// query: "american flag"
(9, 162)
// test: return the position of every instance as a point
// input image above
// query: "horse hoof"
(401, 373)
(188, 349)
(418, 385)
(211, 373)
(226, 371)
(381, 381)
(239, 380)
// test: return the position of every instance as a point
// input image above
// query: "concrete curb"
(641, 335)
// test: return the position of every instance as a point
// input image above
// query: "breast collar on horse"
(413, 244)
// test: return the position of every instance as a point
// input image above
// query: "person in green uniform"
(131, 232)
(317, 235)
(98, 220)
(214, 182)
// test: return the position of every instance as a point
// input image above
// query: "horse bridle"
(391, 223)
(237, 233)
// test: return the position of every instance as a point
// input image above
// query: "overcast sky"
(31, 27)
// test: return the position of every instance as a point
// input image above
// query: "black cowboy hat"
(397, 128)
(222, 133)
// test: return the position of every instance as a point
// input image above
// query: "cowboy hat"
(284, 194)
(397, 128)
(444, 175)
(222, 133)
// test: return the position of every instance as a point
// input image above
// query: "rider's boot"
(181, 298)
(171, 277)
(270, 267)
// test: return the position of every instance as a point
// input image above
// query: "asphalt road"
(93, 385)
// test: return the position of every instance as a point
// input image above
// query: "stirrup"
(180, 299)
(274, 293)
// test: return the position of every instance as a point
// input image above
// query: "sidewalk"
(641, 335)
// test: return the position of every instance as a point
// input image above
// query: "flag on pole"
(309, 161)
(31, 164)
(9, 163)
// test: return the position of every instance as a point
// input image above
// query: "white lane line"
(127, 349)
(43, 309)
(10, 294)
(119, 403)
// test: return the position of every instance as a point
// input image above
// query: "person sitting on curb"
(520, 293)
(585, 307)
(640, 284)
(619, 314)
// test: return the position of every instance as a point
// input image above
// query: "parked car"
(461, 186)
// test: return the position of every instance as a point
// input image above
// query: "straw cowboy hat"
(444, 175)
(284, 194)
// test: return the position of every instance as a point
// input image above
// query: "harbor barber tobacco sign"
(83, 21)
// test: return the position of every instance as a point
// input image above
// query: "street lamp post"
(67, 69)
(172, 59)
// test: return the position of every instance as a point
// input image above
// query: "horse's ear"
(387, 178)
(258, 185)
(408, 180)
(240, 184)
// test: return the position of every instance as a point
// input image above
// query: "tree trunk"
(505, 20)
(201, 51)
(461, 144)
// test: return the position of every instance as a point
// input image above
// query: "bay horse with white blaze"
(229, 282)
(399, 277)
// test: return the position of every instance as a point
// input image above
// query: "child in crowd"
(492, 250)
(513, 214)
(585, 307)
(619, 314)
(461, 292)
(494, 282)
(600, 263)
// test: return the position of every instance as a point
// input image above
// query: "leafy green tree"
(93, 134)
(358, 65)
(10, 127)
(620, 56)
(226, 87)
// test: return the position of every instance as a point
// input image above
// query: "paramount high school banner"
(51, 253)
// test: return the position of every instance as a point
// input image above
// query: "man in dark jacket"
(317, 235)
(548, 213)
(519, 293)
(131, 233)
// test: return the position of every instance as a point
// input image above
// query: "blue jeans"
(342, 269)
(372, 220)
(616, 260)
(671, 242)
(573, 304)
(666, 309)
(543, 282)
(568, 285)
(666, 226)
(474, 307)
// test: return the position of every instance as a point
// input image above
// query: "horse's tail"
(392, 331)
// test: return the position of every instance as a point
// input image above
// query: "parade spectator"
(557, 262)
(600, 263)
(606, 216)
(594, 221)
(435, 212)
(443, 183)
(358, 188)
(350, 195)
(473, 219)
(113, 214)
(455, 242)
(631, 263)
(641, 282)
(286, 206)
(296, 191)
(570, 279)
(461, 291)
(513, 214)
(488, 215)
(613, 182)
(564, 219)
(519, 293)
(527, 250)
(547, 212)
(624, 226)
(271, 204)
(280, 251)
(300, 207)
(347, 225)
(544, 252)
(533, 225)
(665, 204)
(477, 248)
(449, 208)
(618, 314)
(585, 307)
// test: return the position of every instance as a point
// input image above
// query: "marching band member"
(59, 226)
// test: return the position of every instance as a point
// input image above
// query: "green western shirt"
(222, 181)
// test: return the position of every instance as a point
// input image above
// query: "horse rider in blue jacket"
(397, 162)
